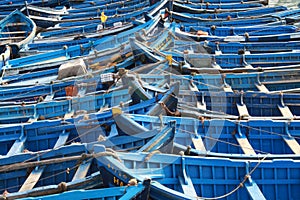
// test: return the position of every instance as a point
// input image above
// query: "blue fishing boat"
(232, 136)
(254, 136)
(90, 28)
(105, 127)
(83, 176)
(16, 112)
(242, 104)
(273, 81)
(92, 102)
(110, 3)
(55, 89)
(76, 99)
(54, 43)
(105, 60)
(278, 12)
(30, 9)
(186, 18)
(89, 9)
(108, 23)
(205, 60)
(53, 171)
(236, 31)
(80, 50)
(48, 18)
(11, 5)
(188, 177)
(291, 13)
(228, 1)
(79, 19)
(109, 9)
(244, 60)
(248, 13)
(252, 47)
(120, 91)
(16, 30)
(246, 37)
(212, 8)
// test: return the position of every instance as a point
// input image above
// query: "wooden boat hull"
(22, 172)
(16, 30)
(256, 12)
(182, 177)
(222, 136)
(273, 81)
(79, 50)
(50, 44)
(241, 31)
(253, 47)
(19, 4)
(42, 135)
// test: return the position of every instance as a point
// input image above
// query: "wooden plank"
(49, 97)
(32, 179)
(16, 24)
(187, 186)
(286, 112)
(12, 38)
(199, 105)
(62, 139)
(193, 88)
(244, 142)
(17, 147)
(253, 190)
(198, 144)
(69, 115)
(81, 91)
(243, 111)
(218, 52)
(216, 66)
(186, 182)
(31, 120)
(13, 32)
(82, 170)
(293, 144)
(262, 88)
(227, 89)
(245, 145)
(248, 66)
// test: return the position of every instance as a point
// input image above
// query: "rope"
(113, 154)
(149, 156)
(241, 184)
(222, 141)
